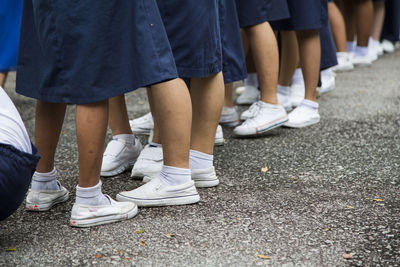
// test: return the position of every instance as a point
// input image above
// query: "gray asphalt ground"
(330, 190)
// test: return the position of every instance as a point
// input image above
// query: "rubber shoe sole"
(48, 205)
(119, 170)
(301, 125)
(264, 130)
(104, 220)
(171, 201)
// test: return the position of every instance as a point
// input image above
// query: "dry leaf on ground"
(170, 235)
(348, 256)
(140, 231)
(378, 199)
(264, 257)
(97, 256)
(142, 243)
(265, 169)
(11, 249)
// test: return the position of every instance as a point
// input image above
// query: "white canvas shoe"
(42, 200)
(327, 82)
(239, 90)
(297, 93)
(154, 193)
(362, 61)
(387, 46)
(250, 95)
(229, 117)
(88, 215)
(344, 62)
(302, 116)
(149, 162)
(119, 157)
(253, 109)
(205, 177)
(142, 125)
(266, 117)
(219, 137)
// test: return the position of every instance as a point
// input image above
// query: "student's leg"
(365, 12)
(348, 8)
(3, 77)
(156, 130)
(118, 116)
(207, 96)
(289, 57)
(379, 17)
(310, 58)
(338, 27)
(228, 100)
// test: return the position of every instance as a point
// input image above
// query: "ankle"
(91, 195)
(45, 181)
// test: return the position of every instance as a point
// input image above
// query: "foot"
(327, 83)
(149, 162)
(284, 101)
(249, 113)
(119, 156)
(266, 117)
(219, 137)
(229, 117)
(387, 46)
(302, 116)
(142, 125)
(344, 62)
(250, 95)
(42, 200)
(154, 193)
(205, 177)
(297, 92)
(88, 215)
(362, 61)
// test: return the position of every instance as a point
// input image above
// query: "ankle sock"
(129, 138)
(45, 181)
(298, 76)
(252, 79)
(200, 160)
(174, 176)
(361, 51)
(283, 90)
(350, 46)
(91, 196)
(309, 104)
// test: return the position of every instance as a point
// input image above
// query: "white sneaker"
(362, 61)
(387, 46)
(297, 93)
(154, 193)
(284, 100)
(239, 90)
(249, 113)
(266, 117)
(149, 162)
(118, 156)
(87, 215)
(219, 137)
(327, 83)
(42, 200)
(344, 62)
(372, 54)
(302, 116)
(250, 95)
(205, 177)
(142, 125)
(229, 117)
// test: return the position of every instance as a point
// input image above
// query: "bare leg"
(379, 17)
(350, 19)
(289, 57)
(207, 96)
(48, 124)
(91, 126)
(118, 116)
(3, 77)
(228, 101)
(266, 59)
(338, 27)
(173, 115)
(310, 57)
(365, 12)
(156, 130)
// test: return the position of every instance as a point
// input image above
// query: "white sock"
(252, 79)
(298, 76)
(361, 51)
(283, 90)
(350, 46)
(45, 181)
(91, 196)
(309, 104)
(129, 138)
(200, 160)
(174, 176)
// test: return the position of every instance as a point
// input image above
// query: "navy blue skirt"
(233, 60)
(194, 34)
(86, 51)
(16, 170)
(253, 12)
(328, 48)
(391, 26)
(304, 15)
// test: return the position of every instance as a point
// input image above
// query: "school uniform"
(253, 12)
(391, 26)
(194, 34)
(304, 15)
(10, 21)
(86, 51)
(18, 158)
(233, 59)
